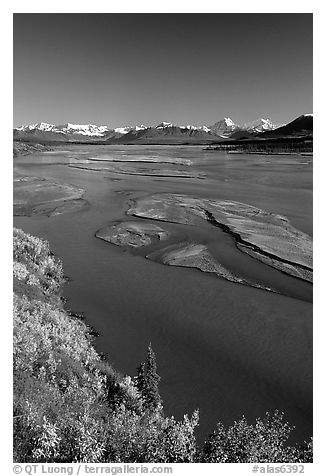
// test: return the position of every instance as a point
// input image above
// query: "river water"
(225, 348)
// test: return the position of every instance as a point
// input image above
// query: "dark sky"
(126, 69)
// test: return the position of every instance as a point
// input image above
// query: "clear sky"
(127, 69)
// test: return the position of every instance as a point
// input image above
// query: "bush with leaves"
(34, 260)
(263, 442)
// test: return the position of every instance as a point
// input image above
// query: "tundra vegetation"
(70, 405)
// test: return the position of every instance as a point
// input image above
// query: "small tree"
(147, 381)
(153, 397)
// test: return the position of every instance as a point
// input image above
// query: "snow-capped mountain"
(83, 129)
(41, 126)
(70, 132)
(164, 125)
(126, 129)
(260, 125)
(224, 127)
(196, 128)
(166, 132)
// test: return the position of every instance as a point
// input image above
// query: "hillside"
(70, 405)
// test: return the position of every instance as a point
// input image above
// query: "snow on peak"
(68, 128)
(190, 127)
(226, 125)
(163, 125)
(83, 129)
(260, 125)
(41, 126)
(123, 130)
(196, 128)
(90, 130)
(228, 121)
(126, 129)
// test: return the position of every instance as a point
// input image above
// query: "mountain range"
(165, 132)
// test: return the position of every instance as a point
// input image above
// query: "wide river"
(225, 348)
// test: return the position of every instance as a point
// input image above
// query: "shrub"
(263, 442)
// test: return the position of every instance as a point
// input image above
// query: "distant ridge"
(164, 132)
